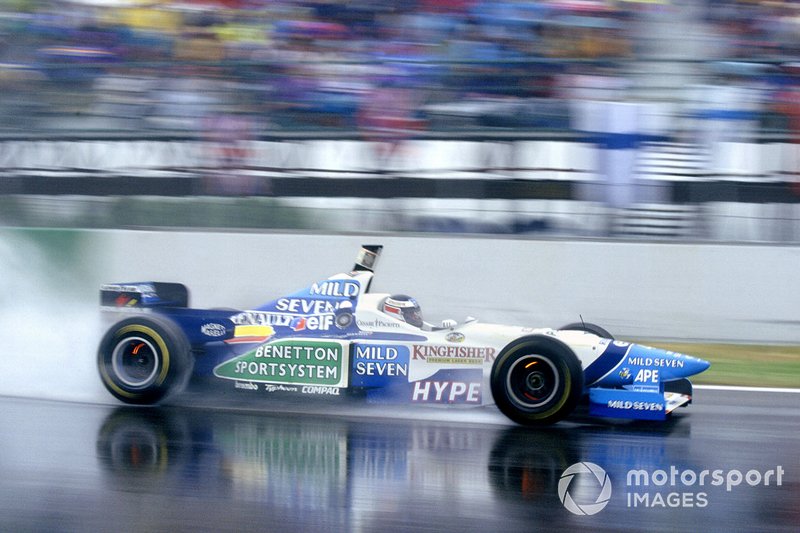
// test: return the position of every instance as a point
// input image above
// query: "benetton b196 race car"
(336, 337)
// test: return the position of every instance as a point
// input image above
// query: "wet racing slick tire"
(588, 327)
(144, 359)
(537, 381)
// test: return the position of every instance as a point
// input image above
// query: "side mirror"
(449, 323)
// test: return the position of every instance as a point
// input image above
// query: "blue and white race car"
(336, 337)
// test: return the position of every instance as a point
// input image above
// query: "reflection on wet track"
(79, 467)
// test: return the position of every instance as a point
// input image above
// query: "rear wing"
(143, 295)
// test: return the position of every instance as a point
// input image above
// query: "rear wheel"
(537, 381)
(143, 359)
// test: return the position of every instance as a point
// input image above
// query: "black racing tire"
(588, 327)
(537, 381)
(144, 359)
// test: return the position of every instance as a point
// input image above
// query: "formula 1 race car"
(335, 337)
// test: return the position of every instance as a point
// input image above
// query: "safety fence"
(558, 186)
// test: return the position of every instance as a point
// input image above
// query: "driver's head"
(403, 307)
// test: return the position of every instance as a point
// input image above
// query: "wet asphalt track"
(86, 467)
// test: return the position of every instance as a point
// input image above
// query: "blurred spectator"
(229, 156)
(388, 117)
(787, 103)
(310, 63)
(726, 110)
(602, 111)
(187, 99)
(314, 59)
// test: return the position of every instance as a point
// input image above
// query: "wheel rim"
(532, 381)
(135, 361)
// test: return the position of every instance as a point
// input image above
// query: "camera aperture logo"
(584, 488)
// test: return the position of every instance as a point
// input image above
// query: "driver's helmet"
(403, 307)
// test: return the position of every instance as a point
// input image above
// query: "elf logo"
(312, 323)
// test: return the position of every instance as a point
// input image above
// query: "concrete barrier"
(743, 293)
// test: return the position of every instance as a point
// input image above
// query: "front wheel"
(143, 359)
(537, 381)
(588, 327)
